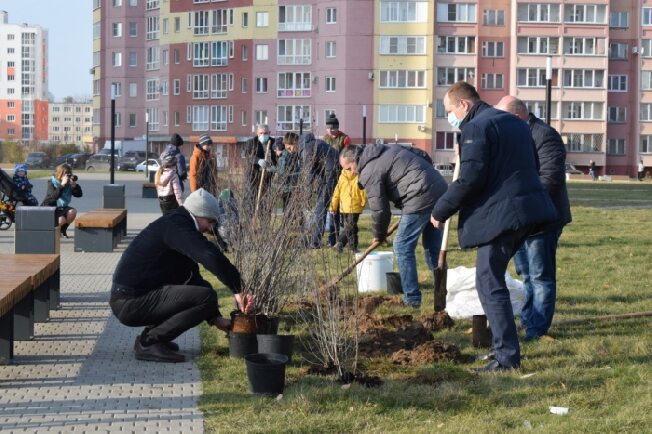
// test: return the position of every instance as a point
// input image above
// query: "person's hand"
(436, 223)
(245, 302)
(263, 163)
(65, 180)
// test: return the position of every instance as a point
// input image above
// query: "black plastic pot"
(241, 344)
(279, 344)
(266, 325)
(266, 373)
(394, 283)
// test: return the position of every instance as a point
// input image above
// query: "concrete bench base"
(95, 240)
(149, 190)
(100, 230)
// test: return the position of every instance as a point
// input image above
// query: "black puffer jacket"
(167, 252)
(320, 161)
(392, 173)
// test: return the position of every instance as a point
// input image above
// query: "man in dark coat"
(536, 260)
(406, 178)
(501, 201)
(259, 156)
(157, 283)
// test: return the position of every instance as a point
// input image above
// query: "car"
(152, 164)
(78, 161)
(572, 170)
(445, 169)
(63, 159)
(131, 159)
(38, 160)
(98, 162)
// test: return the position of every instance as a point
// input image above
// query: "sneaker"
(493, 366)
(157, 352)
(172, 346)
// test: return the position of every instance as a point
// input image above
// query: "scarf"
(66, 193)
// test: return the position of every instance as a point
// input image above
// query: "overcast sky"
(70, 27)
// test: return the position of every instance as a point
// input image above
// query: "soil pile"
(429, 352)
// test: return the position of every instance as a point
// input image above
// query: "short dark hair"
(462, 90)
(290, 138)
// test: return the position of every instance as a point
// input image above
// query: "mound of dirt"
(370, 303)
(379, 341)
(436, 321)
(429, 352)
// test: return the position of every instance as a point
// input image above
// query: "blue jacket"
(320, 161)
(498, 189)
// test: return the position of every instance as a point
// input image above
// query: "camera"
(73, 177)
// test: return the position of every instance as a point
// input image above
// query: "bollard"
(114, 196)
(36, 230)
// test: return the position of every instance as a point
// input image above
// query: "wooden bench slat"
(100, 218)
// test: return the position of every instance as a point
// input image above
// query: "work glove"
(263, 163)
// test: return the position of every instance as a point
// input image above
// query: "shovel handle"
(444, 239)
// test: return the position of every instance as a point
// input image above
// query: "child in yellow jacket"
(349, 200)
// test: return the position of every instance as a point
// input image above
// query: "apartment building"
(197, 66)
(71, 121)
(23, 81)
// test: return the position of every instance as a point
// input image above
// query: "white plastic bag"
(462, 300)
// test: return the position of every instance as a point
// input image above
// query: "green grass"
(601, 371)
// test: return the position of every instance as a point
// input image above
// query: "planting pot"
(243, 323)
(279, 344)
(266, 373)
(394, 283)
(241, 344)
(266, 325)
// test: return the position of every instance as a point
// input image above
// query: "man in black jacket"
(406, 178)
(157, 283)
(536, 259)
(259, 157)
(501, 201)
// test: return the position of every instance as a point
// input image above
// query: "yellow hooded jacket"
(348, 198)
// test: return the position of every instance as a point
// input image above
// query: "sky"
(70, 36)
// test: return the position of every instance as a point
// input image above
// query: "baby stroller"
(7, 201)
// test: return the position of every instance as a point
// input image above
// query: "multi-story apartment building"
(23, 81)
(197, 66)
(71, 121)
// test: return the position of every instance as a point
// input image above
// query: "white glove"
(263, 163)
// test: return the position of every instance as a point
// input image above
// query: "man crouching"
(157, 283)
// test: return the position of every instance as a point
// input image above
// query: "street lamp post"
(112, 134)
(146, 145)
(364, 124)
(548, 88)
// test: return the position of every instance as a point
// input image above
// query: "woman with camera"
(62, 186)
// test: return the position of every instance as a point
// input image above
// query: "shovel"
(442, 267)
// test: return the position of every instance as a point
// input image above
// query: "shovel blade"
(440, 287)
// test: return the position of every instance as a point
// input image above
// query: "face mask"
(452, 119)
(263, 139)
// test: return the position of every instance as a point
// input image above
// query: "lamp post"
(112, 178)
(364, 124)
(146, 145)
(548, 88)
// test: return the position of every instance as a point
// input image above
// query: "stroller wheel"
(5, 221)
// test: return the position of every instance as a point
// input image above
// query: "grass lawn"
(601, 371)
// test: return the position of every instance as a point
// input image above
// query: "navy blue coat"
(498, 189)
(321, 161)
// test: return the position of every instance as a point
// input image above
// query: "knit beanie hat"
(333, 121)
(205, 139)
(20, 167)
(201, 203)
(176, 140)
(278, 144)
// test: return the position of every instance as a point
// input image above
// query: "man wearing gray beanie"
(157, 283)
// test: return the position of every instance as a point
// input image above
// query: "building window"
(220, 21)
(402, 45)
(618, 51)
(218, 118)
(401, 113)
(537, 45)
(585, 14)
(166, 26)
(245, 52)
(616, 147)
(133, 58)
(583, 46)
(492, 81)
(11, 118)
(295, 52)
(200, 114)
(117, 91)
(201, 54)
(177, 24)
(133, 89)
(583, 78)
(646, 112)
(295, 18)
(617, 83)
(538, 13)
(244, 84)
(330, 84)
(116, 59)
(261, 84)
(445, 140)
(534, 77)
(176, 87)
(219, 53)
(401, 79)
(331, 15)
(619, 20)
(456, 44)
(10, 50)
(10, 104)
(448, 76)
(149, 5)
(152, 28)
(583, 110)
(617, 115)
(117, 3)
(117, 30)
(200, 89)
(132, 120)
(219, 86)
(165, 57)
(645, 146)
(456, 12)
(152, 58)
(293, 84)
(403, 11)
(288, 117)
(262, 19)
(152, 89)
(584, 142)
(133, 29)
(262, 52)
(493, 17)
(493, 49)
(260, 117)
(118, 121)
(245, 19)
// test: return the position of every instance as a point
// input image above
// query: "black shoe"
(493, 366)
(491, 355)
(64, 229)
(172, 346)
(156, 352)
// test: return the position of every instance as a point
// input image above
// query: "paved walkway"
(79, 373)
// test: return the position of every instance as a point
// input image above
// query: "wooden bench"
(149, 190)
(100, 230)
(29, 288)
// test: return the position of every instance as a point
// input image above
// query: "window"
(582, 110)
(219, 53)
(117, 90)
(456, 44)
(220, 21)
(177, 59)
(11, 104)
(133, 58)
(618, 51)
(201, 54)
(164, 87)
(133, 90)
(448, 76)
(403, 11)
(537, 45)
(262, 19)
(493, 17)
(149, 5)
(646, 112)
(492, 49)
(260, 117)
(244, 84)
(616, 147)
(176, 87)
(245, 19)
(116, 59)
(617, 83)
(152, 58)
(132, 120)
(165, 56)
(646, 47)
(399, 113)
(11, 118)
(200, 114)
(177, 24)
(445, 140)
(456, 12)
(646, 80)
(200, 89)
(492, 81)
(402, 79)
(645, 146)
(583, 46)
(10, 50)
(218, 118)
(133, 29)
(617, 115)
(117, 30)
(133, 2)
(117, 3)
(584, 78)
(261, 84)
(166, 26)
(331, 15)
(402, 45)
(293, 84)
(331, 49)
(585, 14)
(10, 37)
(118, 121)
(619, 19)
(262, 52)
(152, 28)
(581, 142)
(295, 18)
(199, 22)
(534, 77)
(538, 13)
(245, 52)
(294, 52)
(330, 84)
(152, 89)
(288, 117)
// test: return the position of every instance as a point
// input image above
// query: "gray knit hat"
(201, 203)
(205, 139)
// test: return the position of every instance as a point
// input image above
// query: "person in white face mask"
(260, 158)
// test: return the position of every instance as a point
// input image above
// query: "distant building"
(23, 81)
(71, 121)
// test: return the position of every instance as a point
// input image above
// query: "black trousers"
(166, 312)
(168, 203)
(350, 231)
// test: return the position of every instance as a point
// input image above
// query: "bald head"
(514, 106)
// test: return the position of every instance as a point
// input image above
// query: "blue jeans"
(536, 263)
(334, 224)
(319, 213)
(409, 229)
